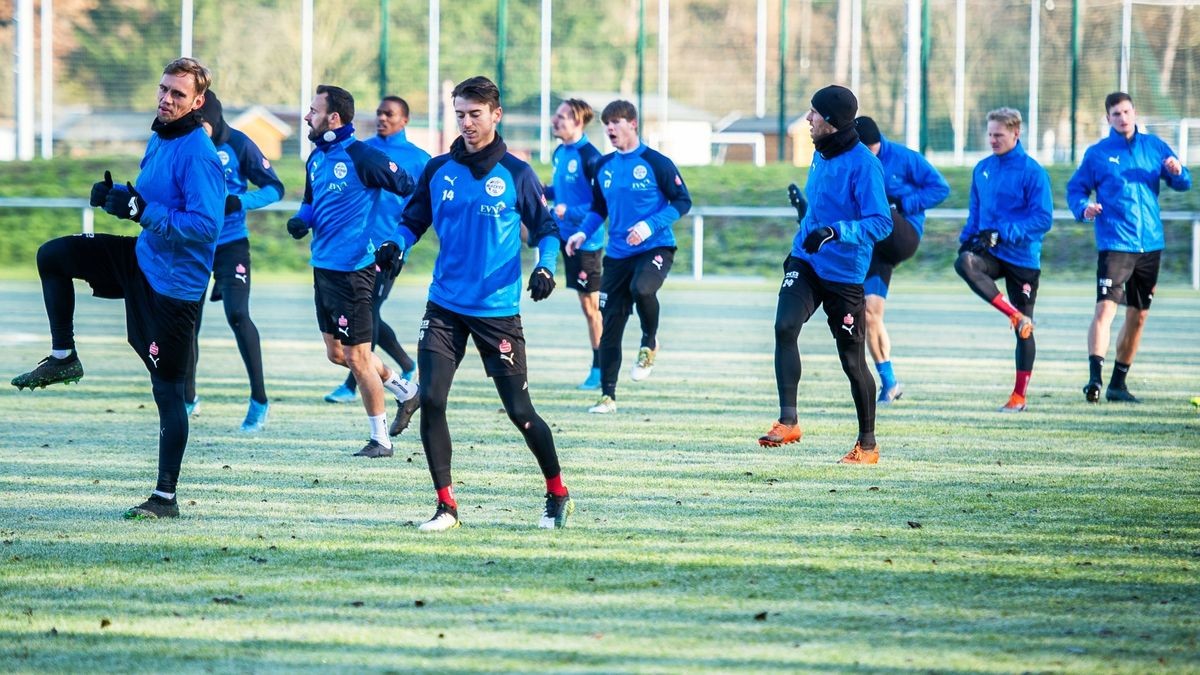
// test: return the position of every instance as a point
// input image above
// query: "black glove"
(125, 203)
(233, 204)
(541, 283)
(297, 227)
(389, 258)
(796, 197)
(896, 204)
(100, 190)
(818, 238)
(981, 241)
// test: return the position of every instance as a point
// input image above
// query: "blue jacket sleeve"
(1180, 183)
(1039, 209)
(591, 159)
(671, 184)
(598, 211)
(376, 170)
(929, 188)
(305, 213)
(1080, 187)
(258, 171)
(532, 207)
(875, 221)
(203, 210)
(418, 212)
(972, 225)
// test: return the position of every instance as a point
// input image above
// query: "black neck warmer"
(482, 162)
(180, 127)
(838, 142)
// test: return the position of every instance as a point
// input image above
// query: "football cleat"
(404, 413)
(51, 371)
(592, 381)
(1091, 391)
(1120, 395)
(342, 394)
(154, 508)
(554, 516)
(191, 406)
(780, 434)
(374, 449)
(1016, 403)
(445, 518)
(604, 406)
(890, 394)
(645, 363)
(1022, 324)
(860, 456)
(256, 416)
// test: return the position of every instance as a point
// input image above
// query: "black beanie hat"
(868, 131)
(837, 105)
(211, 110)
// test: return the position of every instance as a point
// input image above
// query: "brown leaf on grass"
(109, 410)
(761, 616)
(887, 560)
(258, 560)
(873, 488)
(54, 631)
(357, 603)
(105, 623)
(226, 467)
(419, 603)
(914, 524)
(225, 600)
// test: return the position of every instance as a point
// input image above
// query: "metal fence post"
(89, 221)
(698, 246)
(1196, 255)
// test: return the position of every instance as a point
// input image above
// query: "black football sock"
(1096, 368)
(1120, 370)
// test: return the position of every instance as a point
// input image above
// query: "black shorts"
(159, 328)
(802, 291)
(343, 301)
(231, 270)
(500, 339)
(1020, 283)
(1127, 278)
(583, 270)
(889, 252)
(646, 271)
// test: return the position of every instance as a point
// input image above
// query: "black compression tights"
(437, 374)
(237, 313)
(173, 431)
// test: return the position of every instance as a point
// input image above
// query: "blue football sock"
(887, 379)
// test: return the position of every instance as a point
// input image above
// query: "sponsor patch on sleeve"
(678, 180)
(393, 167)
(266, 163)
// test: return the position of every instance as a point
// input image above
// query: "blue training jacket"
(574, 169)
(344, 202)
(243, 164)
(1010, 193)
(630, 187)
(478, 223)
(845, 193)
(1125, 175)
(911, 182)
(408, 157)
(184, 189)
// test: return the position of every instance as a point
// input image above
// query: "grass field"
(1063, 539)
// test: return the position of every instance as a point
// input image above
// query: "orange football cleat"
(781, 434)
(860, 456)
(1016, 403)
(1022, 324)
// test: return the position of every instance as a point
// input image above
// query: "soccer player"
(847, 213)
(243, 163)
(391, 117)
(476, 198)
(912, 186)
(1008, 213)
(641, 194)
(179, 201)
(1124, 171)
(571, 188)
(343, 185)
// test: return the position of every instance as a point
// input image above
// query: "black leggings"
(437, 374)
(980, 273)
(172, 433)
(381, 333)
(236, 300)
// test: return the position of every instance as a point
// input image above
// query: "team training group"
(366, 203)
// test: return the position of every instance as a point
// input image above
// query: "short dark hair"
(400, 102)
(338, 101)
(619, 110)
(1115, 98)
(201, 76)
(478, 89)
(580, 109)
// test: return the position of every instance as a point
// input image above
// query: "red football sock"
(1001, 304)
(555, 486)
(446, 496)
(1022, 382)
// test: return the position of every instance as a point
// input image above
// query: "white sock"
(400, 388)
(379, 431)
(165, 495)
(61, 353)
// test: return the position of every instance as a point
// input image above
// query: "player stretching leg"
(1008, 214)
